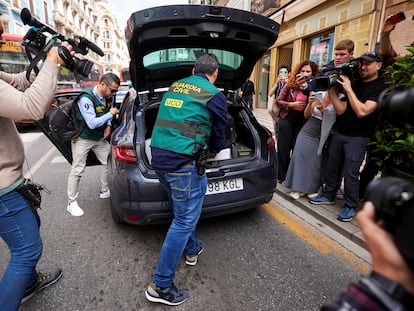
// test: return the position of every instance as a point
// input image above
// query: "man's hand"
(386, 258)
(345, 82)
(53, 53)
(114, 111)
(107, 132)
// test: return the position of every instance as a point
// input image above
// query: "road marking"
(314, 237)
(29, 137)
(59, 159)
(32, 171)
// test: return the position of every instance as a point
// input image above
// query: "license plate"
(223, 186)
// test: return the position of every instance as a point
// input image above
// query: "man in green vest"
(191, 122)
(95, 116)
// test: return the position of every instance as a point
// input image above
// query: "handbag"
(272, 108)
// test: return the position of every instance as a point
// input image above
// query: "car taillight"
(270, 143)
(124, 154)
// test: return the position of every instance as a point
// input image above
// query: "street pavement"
(325, 214)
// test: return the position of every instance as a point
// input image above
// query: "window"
(106, 34)
(321, 48)
(170, 57)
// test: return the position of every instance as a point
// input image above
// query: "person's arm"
(87, 109)
(313, 102)
(272, 90)
(333, 97)
(361, 109)
(282, 99)
(385, 47)
(217, 108)
(35, 100)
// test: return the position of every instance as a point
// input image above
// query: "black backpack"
(63, 123)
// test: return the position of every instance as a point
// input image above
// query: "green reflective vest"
(183, 118)
(100, 109)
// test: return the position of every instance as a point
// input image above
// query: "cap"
(371, 57)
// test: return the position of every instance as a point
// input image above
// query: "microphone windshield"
(26, 16)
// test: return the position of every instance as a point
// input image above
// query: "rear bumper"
(141, 201)
(160, 212)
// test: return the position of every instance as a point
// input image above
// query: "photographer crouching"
(19, 221)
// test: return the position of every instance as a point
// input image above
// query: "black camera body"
(394, 202)
(37, 43)
(393, 196)
(331, 74)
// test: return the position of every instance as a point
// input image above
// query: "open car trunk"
(240, 141)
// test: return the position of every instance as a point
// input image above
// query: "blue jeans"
(19, 228)
(186, 190)
(347, 152)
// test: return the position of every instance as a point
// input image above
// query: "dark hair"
(110, 78)
(206, 63)
(287, 67)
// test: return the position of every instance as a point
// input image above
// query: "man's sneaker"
(171, 295)
(43, 280)
(347, 214)
(105, 194)
(191, 260)
(74, 209)
(312, 195)
(320, 199)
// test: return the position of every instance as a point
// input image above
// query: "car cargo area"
(239, 139)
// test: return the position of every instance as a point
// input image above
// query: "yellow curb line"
(314, 237)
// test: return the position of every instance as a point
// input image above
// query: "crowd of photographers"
(342, 103)
(390, 286)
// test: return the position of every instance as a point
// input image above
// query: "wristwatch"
(394, 290)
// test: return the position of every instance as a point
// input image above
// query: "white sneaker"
(74, 209)
(296, 195)
(105, 195)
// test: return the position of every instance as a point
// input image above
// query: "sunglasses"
(113, 91)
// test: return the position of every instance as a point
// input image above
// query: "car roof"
(202, 28)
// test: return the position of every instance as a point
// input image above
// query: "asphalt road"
(252, 260)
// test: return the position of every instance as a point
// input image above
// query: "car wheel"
(115, 217)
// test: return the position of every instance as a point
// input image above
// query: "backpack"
(63, 123)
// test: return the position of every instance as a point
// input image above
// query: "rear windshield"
(170, 57)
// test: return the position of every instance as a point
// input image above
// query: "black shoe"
(191, 260)
(43, 280)
(171, 295)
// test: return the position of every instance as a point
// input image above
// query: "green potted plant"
(393, 148)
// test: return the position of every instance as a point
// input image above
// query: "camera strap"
(40, 56)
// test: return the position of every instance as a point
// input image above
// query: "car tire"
(115, 217)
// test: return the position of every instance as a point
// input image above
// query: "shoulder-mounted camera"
(331, 74)
(38, 44)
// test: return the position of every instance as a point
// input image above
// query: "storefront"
(310, 29)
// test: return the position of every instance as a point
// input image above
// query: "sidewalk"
(325, 213)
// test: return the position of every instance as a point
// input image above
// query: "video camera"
(393, 197)
(35, 43)
(332, 73)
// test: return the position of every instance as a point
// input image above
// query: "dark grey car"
(163, 43)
